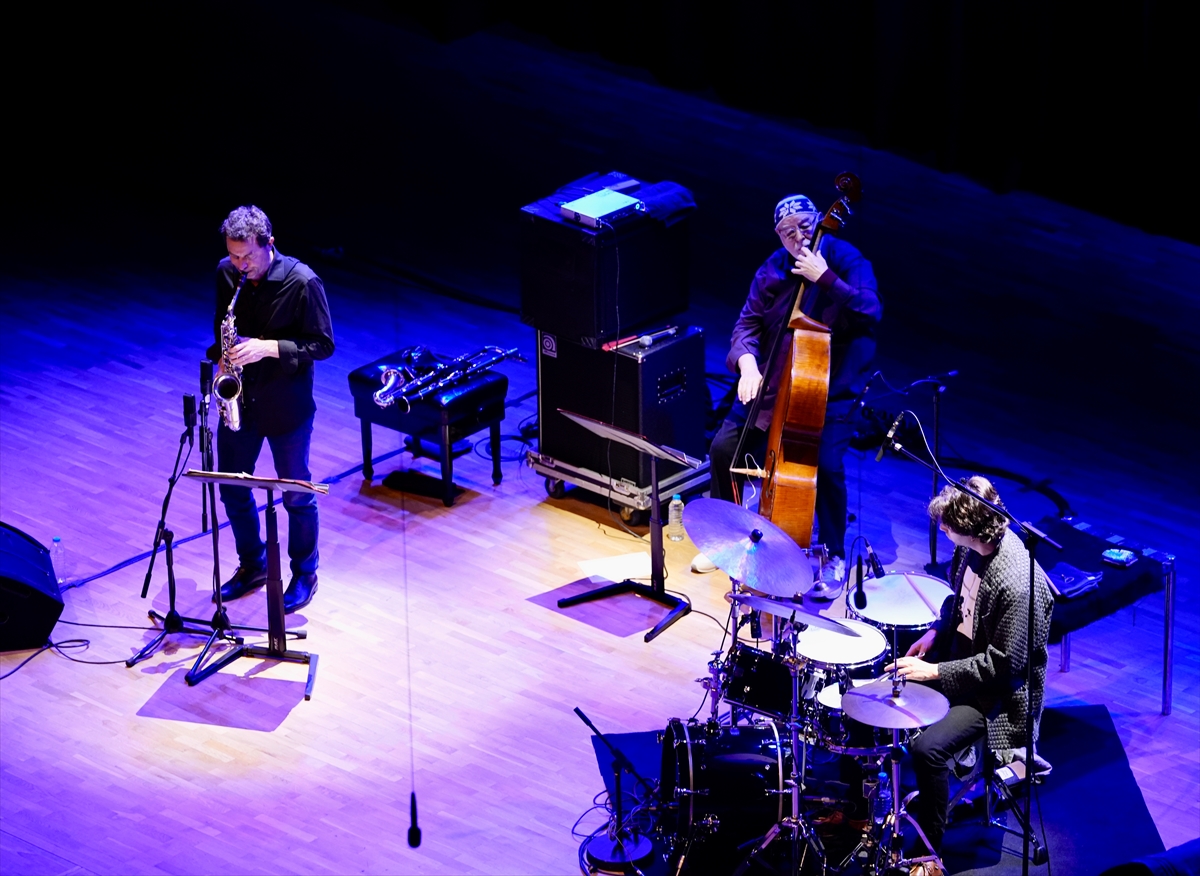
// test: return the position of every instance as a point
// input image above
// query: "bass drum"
(721, 787)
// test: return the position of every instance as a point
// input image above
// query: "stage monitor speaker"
(29, 599)
(587, 284)
(659, 391)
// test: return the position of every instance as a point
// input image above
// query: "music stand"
(656, 590)
(276, 633)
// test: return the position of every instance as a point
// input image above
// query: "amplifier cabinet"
(30, 602)
(585, 284)
(657, 391)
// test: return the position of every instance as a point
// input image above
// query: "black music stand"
(276, 633)
(656, 590)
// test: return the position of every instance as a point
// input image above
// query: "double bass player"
(841, 293)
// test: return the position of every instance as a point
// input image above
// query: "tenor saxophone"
(228, 385)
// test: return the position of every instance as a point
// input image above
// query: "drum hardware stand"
(712, 684)
(795, 826)
(894, 851)
(622, 846)
(656, 590)
(892, 825)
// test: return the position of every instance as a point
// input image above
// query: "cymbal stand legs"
(795, 827)
(890, 856)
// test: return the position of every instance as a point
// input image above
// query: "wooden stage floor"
(444, 663)
(443, 660)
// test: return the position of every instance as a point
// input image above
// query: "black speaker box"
(29, 599)
(587, 284)
(657, 391)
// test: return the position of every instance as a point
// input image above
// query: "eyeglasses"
(792, 233)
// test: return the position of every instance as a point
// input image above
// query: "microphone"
(755, 625)
(189, 416)
(414, 832)
(860, 598)
(891, 433)
(876, 566)
(206, 375)
(861, 401)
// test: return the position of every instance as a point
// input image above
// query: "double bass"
(789, 473)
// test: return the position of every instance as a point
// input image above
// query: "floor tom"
(722, 786)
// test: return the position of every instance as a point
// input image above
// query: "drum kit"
(741, 786)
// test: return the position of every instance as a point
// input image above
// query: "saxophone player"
(282, 328)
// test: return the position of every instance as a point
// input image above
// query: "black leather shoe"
(300, 591)
(243, 581)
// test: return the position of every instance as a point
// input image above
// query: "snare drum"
(838, 732)
(902, 603)
(857, 656)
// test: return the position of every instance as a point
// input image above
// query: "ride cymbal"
(747, 547)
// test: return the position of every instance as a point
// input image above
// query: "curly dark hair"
(246, 222)
(965, 515)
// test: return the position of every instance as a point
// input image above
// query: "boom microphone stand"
(172, 621)
(621, 847)
(1032, 535)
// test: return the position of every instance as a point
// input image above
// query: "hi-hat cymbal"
(785, 609)
(915, 706)
(747, 547)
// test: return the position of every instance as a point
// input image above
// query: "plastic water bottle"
(58, 559)
(675, 518)
(883, 799)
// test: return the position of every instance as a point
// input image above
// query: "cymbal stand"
(712, 684)
(794, 827)
(893, 829)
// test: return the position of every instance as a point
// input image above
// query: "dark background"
(407, 144)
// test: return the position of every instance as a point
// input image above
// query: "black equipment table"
(1154, 570)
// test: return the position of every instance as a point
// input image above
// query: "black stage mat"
(1091, 809)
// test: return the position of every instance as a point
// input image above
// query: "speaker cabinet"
(657, 391)
(585, 284)
(29, 599)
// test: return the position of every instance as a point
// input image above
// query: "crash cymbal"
(785, 609)
(747, 547)
(916, 706)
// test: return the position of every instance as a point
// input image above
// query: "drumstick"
(937, 611)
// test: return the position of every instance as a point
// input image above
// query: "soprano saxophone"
(228, 385)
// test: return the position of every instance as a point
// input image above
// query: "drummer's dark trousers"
(932, 753)
(831, 468)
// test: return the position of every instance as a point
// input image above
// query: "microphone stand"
(172, 621)
(1032, 535)
(623, 847)
(206, 451)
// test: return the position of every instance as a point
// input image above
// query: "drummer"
(976, 651)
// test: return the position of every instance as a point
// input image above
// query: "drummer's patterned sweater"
(993, 677)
